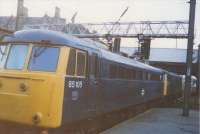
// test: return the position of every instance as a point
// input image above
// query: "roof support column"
(198, 88)
(189, 58)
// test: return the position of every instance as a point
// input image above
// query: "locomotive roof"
(130, 62)
(38, 35)
(64, 39)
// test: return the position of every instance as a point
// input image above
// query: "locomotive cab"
(44, 79)
(31, 83)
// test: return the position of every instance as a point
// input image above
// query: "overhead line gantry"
(152, 29)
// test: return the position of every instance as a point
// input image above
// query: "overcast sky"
(110, 10)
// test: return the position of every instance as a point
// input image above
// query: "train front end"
(32, 83)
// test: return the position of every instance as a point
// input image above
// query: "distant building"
(56, 23)
(46, 22)
(7, 22)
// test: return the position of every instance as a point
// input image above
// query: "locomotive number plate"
(75, 84)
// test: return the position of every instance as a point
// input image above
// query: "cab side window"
(94, 64)
(71, 62)
(76, 63)
(80, 63)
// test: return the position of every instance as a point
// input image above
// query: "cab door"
(94, 92)
(76, 85)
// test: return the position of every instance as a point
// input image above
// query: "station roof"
(164, 54)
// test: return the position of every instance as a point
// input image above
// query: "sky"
(110, 10)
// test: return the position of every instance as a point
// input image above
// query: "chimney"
(57, 12)
(25, 12)
(20, 15)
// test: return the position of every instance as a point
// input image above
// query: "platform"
(159, 121)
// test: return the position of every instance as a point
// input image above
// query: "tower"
(22, 13)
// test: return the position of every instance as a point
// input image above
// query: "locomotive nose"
(28, 100)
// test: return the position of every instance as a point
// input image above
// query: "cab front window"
(17, 56)
(44, 59)
(3, 55)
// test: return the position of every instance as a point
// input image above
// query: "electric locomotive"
(49, 78)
